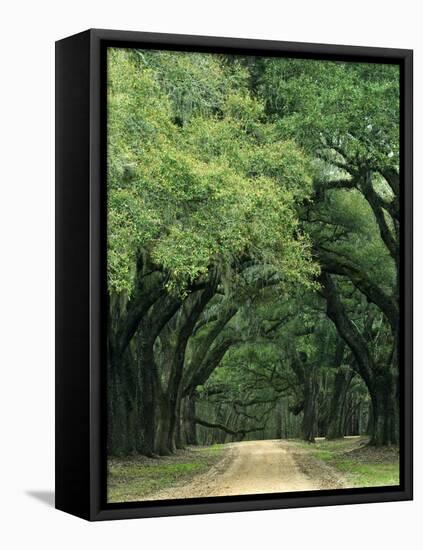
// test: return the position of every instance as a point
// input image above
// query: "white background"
(28, 32)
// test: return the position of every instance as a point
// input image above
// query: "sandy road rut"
(251, 467)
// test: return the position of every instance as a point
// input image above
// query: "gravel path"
(252, 467)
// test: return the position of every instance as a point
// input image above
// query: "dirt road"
(252, 467)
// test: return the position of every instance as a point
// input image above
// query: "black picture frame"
(80, 274)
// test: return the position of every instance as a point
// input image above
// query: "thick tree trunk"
(385, 413)
(151, 389)
(279, 420)
(309, 423)
(189, 427)
(336, 425)
(148, 398)
(174, 402)
(180, 440)
(123, 420)
(163, 428)
(189, 316)
(307, 376)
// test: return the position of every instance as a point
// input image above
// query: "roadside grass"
(135, 478)
(360, 465)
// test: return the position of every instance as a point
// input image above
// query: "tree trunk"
(278, 419)
(380, 380)
(336, 425)
(163, 428)
(385, 413)
(179, 431)
(148, 399)
(123, 435)
(311, 390)
(190, 314)
(190, 427)
(174, 402)
(151, 389)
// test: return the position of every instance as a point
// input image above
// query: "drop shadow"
(46, 497)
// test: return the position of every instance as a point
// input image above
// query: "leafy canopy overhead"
(196, 177)
(351, 108)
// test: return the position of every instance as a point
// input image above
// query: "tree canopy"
(253, 249)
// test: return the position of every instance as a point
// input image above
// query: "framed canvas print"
(234, 274)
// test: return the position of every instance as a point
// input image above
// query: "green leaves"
(352, 107)
(198, 183)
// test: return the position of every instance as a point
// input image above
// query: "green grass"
(134, 478)
(368, 475)
(360, 465)
(216, 448)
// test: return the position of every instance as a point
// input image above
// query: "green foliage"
(325, 104)
(207, 192)
(251, 176)
(345, 227)
(195, 84)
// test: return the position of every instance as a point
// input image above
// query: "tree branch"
(346, 329)
(242, 433)
(364, 284)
